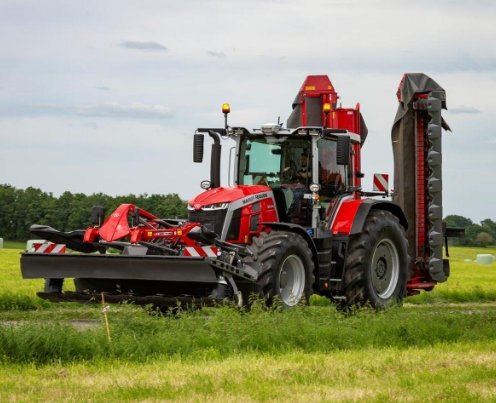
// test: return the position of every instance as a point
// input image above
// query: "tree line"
(482, 234)
(19, 208)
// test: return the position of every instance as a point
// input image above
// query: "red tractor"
(295, 222)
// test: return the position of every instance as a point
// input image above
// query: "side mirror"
(343, 150)
(198, 147)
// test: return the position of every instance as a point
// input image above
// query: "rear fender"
(351, 215)
(371, 204)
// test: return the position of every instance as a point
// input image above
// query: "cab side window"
(332, 177)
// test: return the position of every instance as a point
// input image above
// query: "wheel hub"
(381, 268)
(291, 280)
(385, 268)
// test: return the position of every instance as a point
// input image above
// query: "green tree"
(7, 204)
(20, 208)
(483, 239)
(32, 206)
(489, 226)
(458, 221)
(454, 220)
(169, 206)
(471, 233)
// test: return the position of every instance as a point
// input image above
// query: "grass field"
(438, 346)
(14, 245)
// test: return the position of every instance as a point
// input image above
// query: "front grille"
(234, 226)
(212, 220)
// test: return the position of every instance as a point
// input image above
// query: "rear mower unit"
(295, 222)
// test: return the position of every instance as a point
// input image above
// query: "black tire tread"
(267, 249)
(360, 249)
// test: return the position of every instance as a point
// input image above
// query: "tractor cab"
(307, 165)
(297, 165)
(306, 169)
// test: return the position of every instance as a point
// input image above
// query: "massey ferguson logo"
(251, 199)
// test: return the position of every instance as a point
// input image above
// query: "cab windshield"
(274, 161)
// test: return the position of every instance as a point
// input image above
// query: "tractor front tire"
(377, 265)
(285, 268)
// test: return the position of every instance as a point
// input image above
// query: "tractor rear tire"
(377, 265)
(285, 268)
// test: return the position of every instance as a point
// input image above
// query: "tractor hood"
(225, 195)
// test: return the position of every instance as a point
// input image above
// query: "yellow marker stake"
(104, 311)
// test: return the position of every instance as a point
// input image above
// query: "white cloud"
(106, 110)
(458, 110)
(215, 54)
(71, 62)
(146, 46)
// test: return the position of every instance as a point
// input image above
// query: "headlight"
(218, 206)
(315, 187)
(205, 185)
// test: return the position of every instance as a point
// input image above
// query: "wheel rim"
(385, 268)
(291, 280)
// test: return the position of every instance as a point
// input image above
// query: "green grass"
(10, 275)
(14, 244)
(225, 331)
(16, 293)
(454, 372)
(439, 346)
(468, 282)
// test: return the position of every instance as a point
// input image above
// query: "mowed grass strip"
(452, 372)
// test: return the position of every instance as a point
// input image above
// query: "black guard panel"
(160, 268)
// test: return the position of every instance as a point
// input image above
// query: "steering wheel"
(291, 172)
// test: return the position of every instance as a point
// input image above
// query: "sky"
(104, 96)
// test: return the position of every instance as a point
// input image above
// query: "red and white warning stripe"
(197, 251)
(49, 248)
(381, 182)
